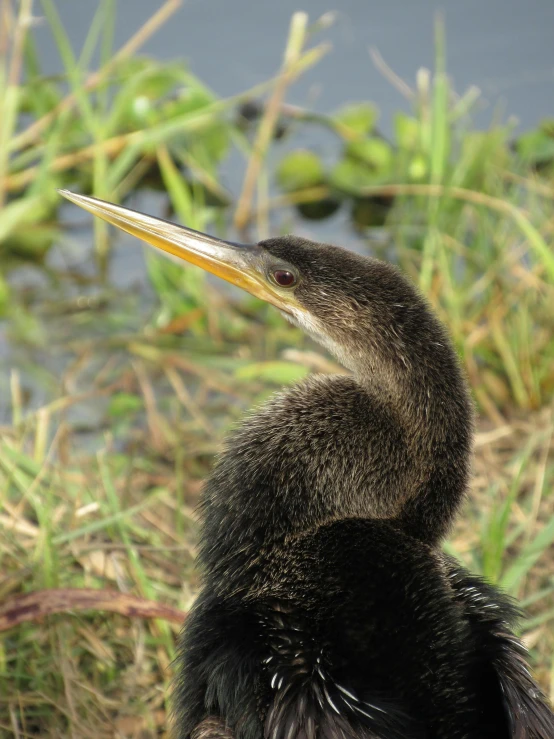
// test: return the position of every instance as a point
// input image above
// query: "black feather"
(492, 617)
(327, 609)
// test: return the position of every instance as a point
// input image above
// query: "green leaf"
(277, 372)
(351, 176)
(16, 213)
(536, 147)
(298, 170)
(418, 168)
(360, 118)
(4, 295)
(374, 152)
(407, 131)
(123, 404)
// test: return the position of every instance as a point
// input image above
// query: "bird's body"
(355, 632)
(328, 610)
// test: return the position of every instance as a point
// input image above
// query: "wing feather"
(493, 616)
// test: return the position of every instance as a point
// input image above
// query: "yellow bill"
(241, 265)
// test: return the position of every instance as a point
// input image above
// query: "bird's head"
(363, 310)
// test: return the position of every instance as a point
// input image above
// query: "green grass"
(98, 484)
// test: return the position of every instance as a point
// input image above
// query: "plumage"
(328, 610)
(321, 522)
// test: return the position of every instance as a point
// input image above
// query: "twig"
(396, 81)
(184, 396)
(16, 398)
(289, 71)
(478, 198)
(10, 102)
(116, 144)
(22, 25)
(156, 426)
(111, 147)
(6, 25)
(539, 482)
(541, 188)
(40, 603)
(128, 49)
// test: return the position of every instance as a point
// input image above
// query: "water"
(502, 46)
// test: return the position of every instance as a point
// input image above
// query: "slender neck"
(412, 367)
(434, 407)
(391, 442)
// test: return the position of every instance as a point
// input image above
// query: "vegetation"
(120, 389)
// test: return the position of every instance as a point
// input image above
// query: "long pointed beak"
(241, 265)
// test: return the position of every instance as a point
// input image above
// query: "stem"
(10, 101)
(289, 71)
(32, 133)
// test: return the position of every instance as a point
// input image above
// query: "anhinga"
(328, 609)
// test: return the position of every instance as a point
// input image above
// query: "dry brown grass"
(122, 519)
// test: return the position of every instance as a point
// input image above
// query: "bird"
(328, 609)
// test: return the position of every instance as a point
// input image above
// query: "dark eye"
(284, 278)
